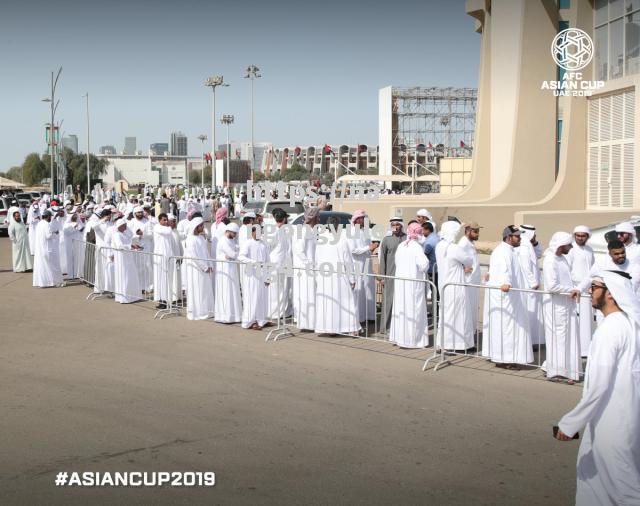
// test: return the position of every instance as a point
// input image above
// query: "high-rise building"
(178, 144)
(107, 150)
(71, 142)
(159, 148)
(129, 146)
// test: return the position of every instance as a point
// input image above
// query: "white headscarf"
(558, 239)
(628, 228)
(622, 292)
(193, 224)
(449, 231)
(581, 229)
(528, 231)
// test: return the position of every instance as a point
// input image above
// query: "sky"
(144, 64)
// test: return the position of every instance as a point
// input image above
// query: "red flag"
(326, 149)
(462, 144)
(430, 145)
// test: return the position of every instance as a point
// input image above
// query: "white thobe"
(33, 218)
(365, 290)
(46, 262)
(199, 282)
(474, 278)
(336, 307)
(103, 254)
(71, 231)
(20, 254)
(175, 268)
(109, 266)
(127, 286)
(145, 269)
(505, 337)
(528, 256)
(453, 324)
(280, 304)
(560, 320)
(409, 325)
(581, 259)
(608, 468)
(163, 248)
(228, 304)
(254, 291)
(633, 251)
(304, 280)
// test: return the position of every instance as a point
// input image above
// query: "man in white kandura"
(127, 285)
(529, 253)
(255, 288)
(142, 230)
(280, 293)
(304, 282)
(163, 248)
(608, 467)
(466, 242)
(506, 339)
(33, 218)
(581, 260)
(19, 237)
(453, 264)
(198, 269)
(627, 234)
(560, 311)
(228, 304)
(336, 308)
(361, 248)
(409, 326)
(46, 262)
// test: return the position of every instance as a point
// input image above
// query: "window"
(562, 25)
(564, 4)
(611, 151)
(617, 38)
(558, 143)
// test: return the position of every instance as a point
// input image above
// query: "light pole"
(203, 138)
(252, 73)
(227, 119)
(88, 160)
(54, 106)
(213, 82)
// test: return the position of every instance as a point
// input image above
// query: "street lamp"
(88, 160)
(54, 106)
(213, 82)
(203, 138)
(227, 119)
(252, 73)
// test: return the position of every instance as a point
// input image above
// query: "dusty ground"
(96, 386)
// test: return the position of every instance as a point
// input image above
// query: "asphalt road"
(97, 386)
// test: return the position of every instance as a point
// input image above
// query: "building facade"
(129, 146)
(159, 149)
(107, 150)
(71, 142)
(540, 156)
(178, 144)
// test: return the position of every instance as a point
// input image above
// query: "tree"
(14, 173)
(296, 173)
(76, 164)
(258, 176)
(35, 169)
(195, 176)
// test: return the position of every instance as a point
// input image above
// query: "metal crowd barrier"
(472, 332)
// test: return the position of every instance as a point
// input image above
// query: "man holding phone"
(608, 468)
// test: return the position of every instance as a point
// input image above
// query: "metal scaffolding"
(441, 120)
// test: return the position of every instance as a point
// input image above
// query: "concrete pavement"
(98, 386)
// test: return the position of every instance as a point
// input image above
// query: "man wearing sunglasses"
(608, 468)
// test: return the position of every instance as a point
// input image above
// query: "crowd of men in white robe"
(222, 275)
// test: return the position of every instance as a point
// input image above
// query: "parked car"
(5, 204)
(345, 218)
(602, 235)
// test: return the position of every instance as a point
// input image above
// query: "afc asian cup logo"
(572, 49)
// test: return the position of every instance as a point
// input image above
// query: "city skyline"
(321, 72)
